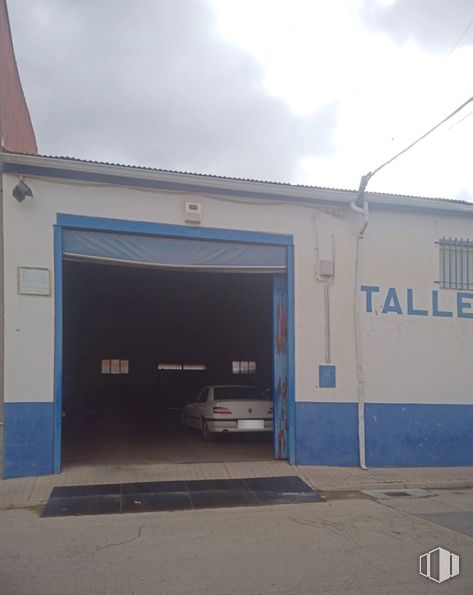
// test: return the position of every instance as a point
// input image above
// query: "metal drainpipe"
(327, 281)
(360, 205)
(363, 210)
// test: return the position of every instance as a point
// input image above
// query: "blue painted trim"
(273, 375)
(121, 180)
(176, 231)
(138, 182)
(280, 367)
(291, 354)
(57, 348)
(28, 439)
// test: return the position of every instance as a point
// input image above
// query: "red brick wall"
(16, 129)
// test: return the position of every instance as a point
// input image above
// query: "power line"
(461, 120)
(371, 174)
(460, 38)
(422, 137)
(366, 178)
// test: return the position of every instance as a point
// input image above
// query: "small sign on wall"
(34, 281)
(327, 376)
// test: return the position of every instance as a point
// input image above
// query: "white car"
(229, 408)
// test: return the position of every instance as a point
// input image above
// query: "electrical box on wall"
(193, 212)
(326, 268)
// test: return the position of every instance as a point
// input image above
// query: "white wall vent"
(193, 212)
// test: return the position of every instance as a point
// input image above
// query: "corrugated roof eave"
(288, 191)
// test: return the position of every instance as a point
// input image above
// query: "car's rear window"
(239, 393)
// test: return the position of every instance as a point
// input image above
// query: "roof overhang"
(65, 169)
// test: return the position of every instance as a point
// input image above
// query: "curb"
(439, 485)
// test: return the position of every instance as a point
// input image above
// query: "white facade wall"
(29, 320)
(408, 359)
(402, 352)
(417, 359)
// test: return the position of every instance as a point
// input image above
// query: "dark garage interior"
(140, 342)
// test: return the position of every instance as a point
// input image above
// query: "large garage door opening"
(139, 343)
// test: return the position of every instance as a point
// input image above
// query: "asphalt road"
(348, 545)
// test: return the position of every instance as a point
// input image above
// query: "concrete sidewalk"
(34, 491)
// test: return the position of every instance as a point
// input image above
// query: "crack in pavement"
(119, 543)
(299, 522)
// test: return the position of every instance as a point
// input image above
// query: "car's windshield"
(239, 393)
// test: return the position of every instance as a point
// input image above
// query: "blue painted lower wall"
(326, 434)
(405, 435)
(28, 439)
(397, 435)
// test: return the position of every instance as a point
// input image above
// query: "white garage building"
(369, 307)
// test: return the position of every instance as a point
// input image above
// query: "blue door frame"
(65, 221)
(280, 368)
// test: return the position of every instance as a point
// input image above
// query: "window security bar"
(456, 263)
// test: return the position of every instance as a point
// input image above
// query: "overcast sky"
(298, 91)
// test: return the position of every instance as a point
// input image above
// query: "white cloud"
(314, 54)
(155, 85)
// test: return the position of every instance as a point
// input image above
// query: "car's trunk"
(247, 414)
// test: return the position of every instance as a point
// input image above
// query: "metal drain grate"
(387, 494)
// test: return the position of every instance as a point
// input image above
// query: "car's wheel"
(207, 435)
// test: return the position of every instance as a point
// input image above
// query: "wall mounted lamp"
(21, 191)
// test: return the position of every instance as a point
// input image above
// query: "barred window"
(244, 367)
(455, 263)
(115, 366)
